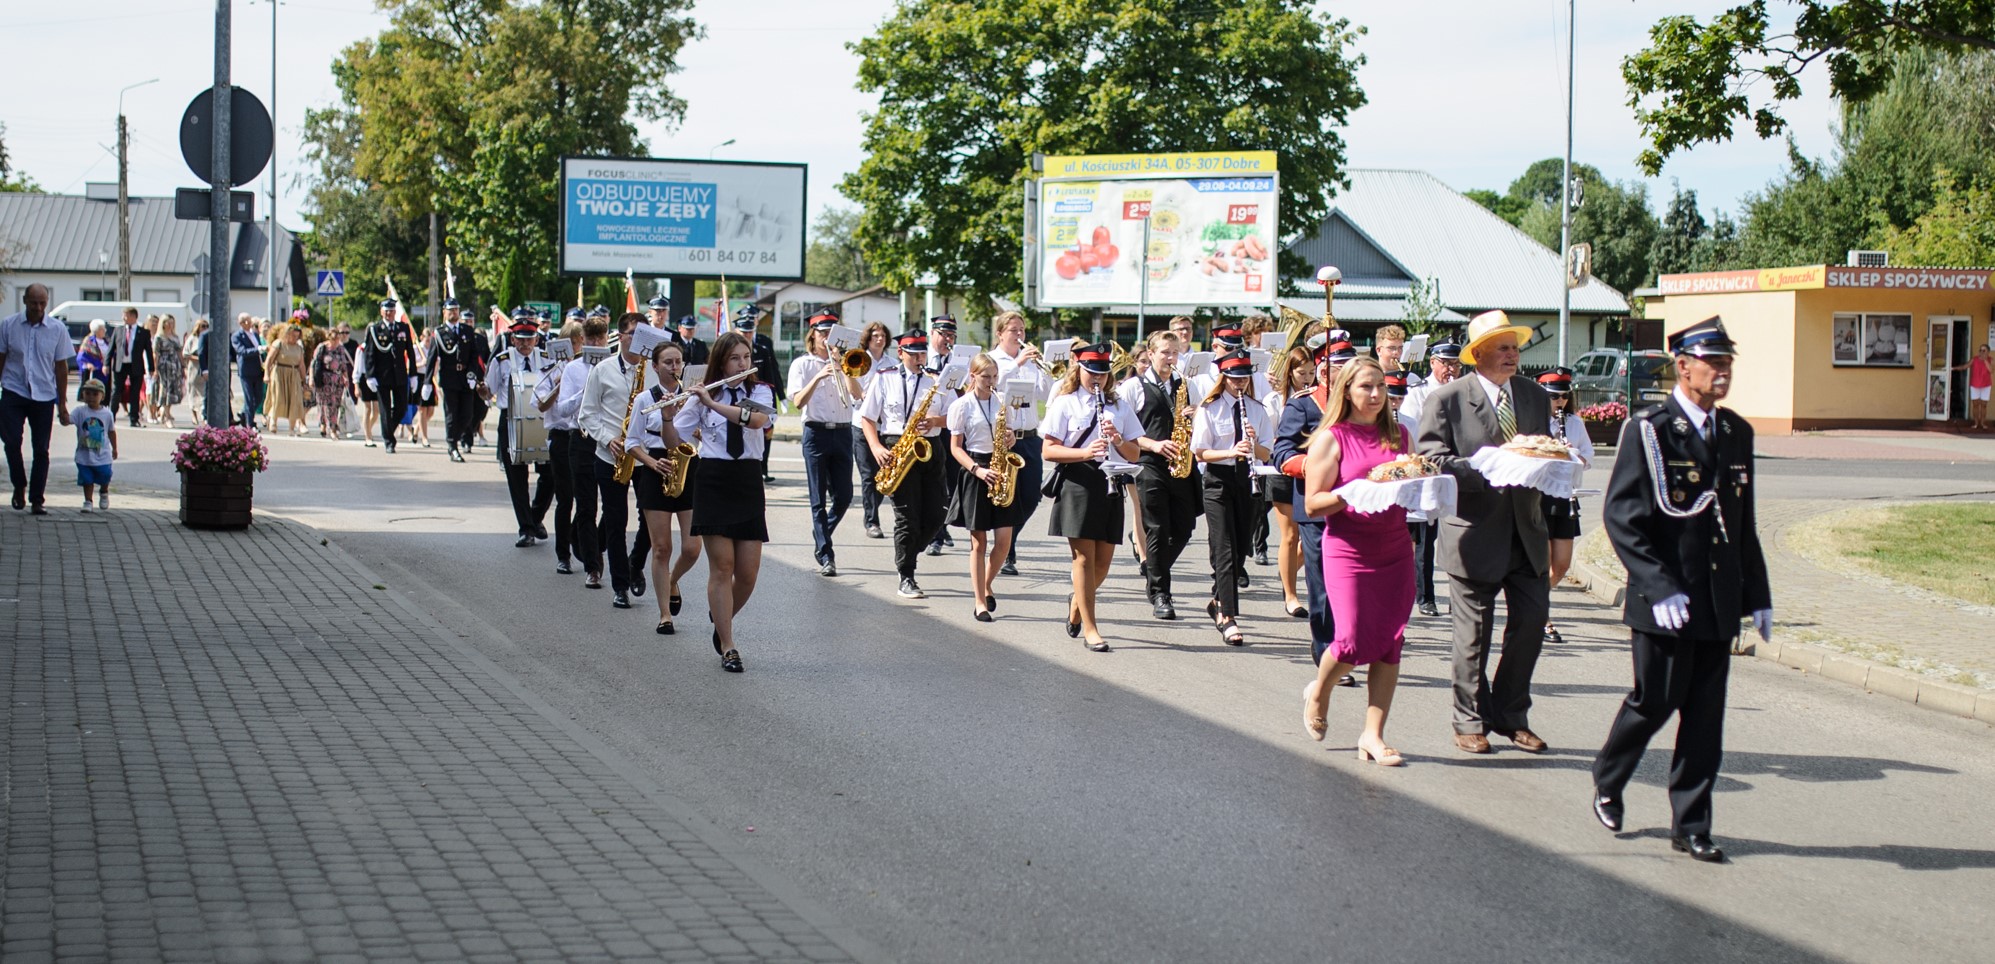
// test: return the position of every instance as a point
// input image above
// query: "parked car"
(1601, 375)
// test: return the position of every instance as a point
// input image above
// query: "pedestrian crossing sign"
(332, 284)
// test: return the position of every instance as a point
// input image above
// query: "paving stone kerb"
(1829, 623)
(203, 764)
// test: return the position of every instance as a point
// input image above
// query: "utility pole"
(270, 254)
(217, 407)
(1565, 187)
(124, 200)
(435, 268)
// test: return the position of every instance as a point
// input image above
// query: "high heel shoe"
(1384, 756)
(1316, 725)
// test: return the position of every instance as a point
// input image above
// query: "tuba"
(910, 448)
(1120, 362)
(1181, 433)
(1005, 461)
(678, 466)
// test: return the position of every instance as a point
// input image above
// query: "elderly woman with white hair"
(93, 357)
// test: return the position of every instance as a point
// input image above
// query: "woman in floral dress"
(169, 378)
(332, 379)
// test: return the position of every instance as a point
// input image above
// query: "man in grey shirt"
(34, 377)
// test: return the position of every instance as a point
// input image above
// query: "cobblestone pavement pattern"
(216, 767)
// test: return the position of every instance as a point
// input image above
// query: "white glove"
(373, 385)
(1672, 613)
(1763, 622)
(412, 383)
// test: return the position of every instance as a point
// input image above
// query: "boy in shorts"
(96, 445)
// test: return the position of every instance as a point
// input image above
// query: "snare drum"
(527, 433)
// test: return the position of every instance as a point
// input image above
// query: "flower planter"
(1603, 433)
(216, 500)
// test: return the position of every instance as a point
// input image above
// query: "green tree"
(1718, 249)
(1958, 231)
(1420, 311)
(1693, 82)
(970, 89)
(1675, 247)
(1540, 183)
(1502, 205)
(835, 257)
(353, 225)
(1614, 218)
(11, 180)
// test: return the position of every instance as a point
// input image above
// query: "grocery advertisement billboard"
(658, 216)
(1213, 229)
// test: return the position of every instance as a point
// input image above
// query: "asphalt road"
(957, 791)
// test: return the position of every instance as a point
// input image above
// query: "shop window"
(1870, 340)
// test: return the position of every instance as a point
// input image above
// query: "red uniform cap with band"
(1558, 381)
(1093, 358)
(1335, 351)
(1395, 383)
(1237, 364)
(913, 341)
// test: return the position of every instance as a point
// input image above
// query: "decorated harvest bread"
(1407, 466)
(1538, 447)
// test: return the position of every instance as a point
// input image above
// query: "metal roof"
(64, 233)
(1394, 226)
(1366, 310)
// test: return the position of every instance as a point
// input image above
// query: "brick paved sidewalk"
(235, 747)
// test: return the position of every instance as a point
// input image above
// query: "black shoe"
(731, 660)
(20, 500)
(947, 540)
(539, 531)
(990, 603)
(1699, 847)
(1428, 609)
(1143, 570)
(1073, 629)
(391, 448)
(981, 616)
(908, 590)
(665, 628)
(622, 600)
(455, 455)
(1552, 636)
(595, 581)
(564, 568)
(1607, 810)
(935, 548)
(1261, 558)
(38, 510)
(525, 540)
(1241, 579)
(873, 531)
(827, 569)
(1348, 680)
(1008, 569)
(1160, 606)
(637, 580)
(676, 601)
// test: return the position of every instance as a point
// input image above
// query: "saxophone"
(627, 464)
(678, 465)
(910, 448)
(1005, 461)
(1181, 433)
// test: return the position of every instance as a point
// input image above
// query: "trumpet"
(854, 363)
(676, 397)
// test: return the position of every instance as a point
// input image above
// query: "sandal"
(665, 627)
(1230, 632)
(731, 661)
(1316, 725)
(1384, 756)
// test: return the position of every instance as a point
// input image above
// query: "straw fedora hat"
(1489, 325)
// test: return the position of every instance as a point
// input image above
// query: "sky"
(1471, 91)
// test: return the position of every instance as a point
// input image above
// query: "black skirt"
(728, 500)
(1084, 507)
(368, 394)
(1561, 517)
(970, 506)
(1281, 490)
(650, 488)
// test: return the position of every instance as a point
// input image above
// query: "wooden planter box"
(1604, 433)
(216, 500)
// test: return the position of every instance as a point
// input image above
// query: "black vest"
(1157, 411)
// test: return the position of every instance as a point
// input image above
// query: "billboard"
(657, 216)
(1213, 229)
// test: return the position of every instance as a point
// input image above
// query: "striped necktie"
(1506, 417)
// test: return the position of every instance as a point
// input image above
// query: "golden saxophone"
(1004, 461)
(910, 448)
(678, 465)
(1181, 433)
(627, 462)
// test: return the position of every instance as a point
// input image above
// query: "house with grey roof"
(69, 242)
(1392, 228)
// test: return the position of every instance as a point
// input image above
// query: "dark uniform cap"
(575, 313)
(1707, 337)
(1236, 364)
(1094, 358)
(387, 302)
(451, 303)
(1446, 351)
(689, 321)
(747, 316)
(942, 323)
(915, 342)
(1227, 332)
(544, 315)
(1395, 384)
(522, 313)
(1558, 381)
(658, 302)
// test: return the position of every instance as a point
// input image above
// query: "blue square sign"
(332, 284)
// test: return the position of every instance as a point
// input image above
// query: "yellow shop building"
(1833, 346)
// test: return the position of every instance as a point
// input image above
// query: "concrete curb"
(1950, 698)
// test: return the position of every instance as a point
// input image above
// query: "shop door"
(1939, 367)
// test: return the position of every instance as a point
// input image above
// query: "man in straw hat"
(1679, 511)
(1496, 540)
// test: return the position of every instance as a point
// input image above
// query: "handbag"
(1052, 487)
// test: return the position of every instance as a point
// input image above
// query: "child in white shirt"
(96, 445)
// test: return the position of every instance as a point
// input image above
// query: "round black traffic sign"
(249, 136)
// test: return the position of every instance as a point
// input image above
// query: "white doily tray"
(1502, 468)
(1433, 495)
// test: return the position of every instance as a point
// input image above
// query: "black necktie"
(1239, 416)
(736, 444)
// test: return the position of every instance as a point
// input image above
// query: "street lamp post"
(726, 143)
(124, 202)
(103, 260)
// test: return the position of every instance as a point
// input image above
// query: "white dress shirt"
(605, 398)
(1067, 415)
(1212, 426)
(1575, 435)
(1202, 385)
(825, 404)
(32, 352)
(562, 415)
(974, 420)
(895, 394)
(506, 364)
(712, 425)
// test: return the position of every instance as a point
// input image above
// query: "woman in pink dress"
(1367, 559)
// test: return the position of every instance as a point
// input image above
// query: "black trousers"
(869, 494)
(1260, 510)
(128, 389)
(1498, 702)
(1229, 524)
(917, 508)
(394, 396)
(640, 544)
(1423, 559)
(1171, 509)
(616, 515)
(529, 512)
(1031, 478)
(560, 445)
(1672, 676)
(581, 470)
(952, 476)
(460, 416)
(1322, 624)
(20, 417)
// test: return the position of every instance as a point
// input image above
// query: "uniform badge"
(1676, 495)
(1694, 476)
(1680, 426)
